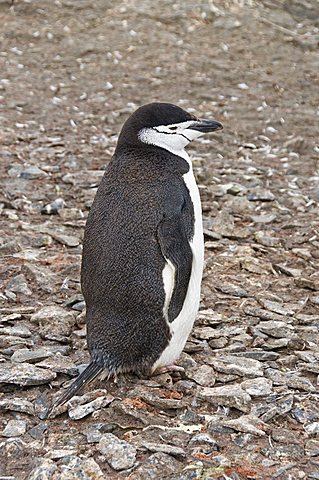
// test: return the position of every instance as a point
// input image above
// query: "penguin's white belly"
(182, 325)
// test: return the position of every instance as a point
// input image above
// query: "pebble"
(16, 405)
(31, 356)
(59, 364)
(14, 428)
(44, 471)
(54, 320)
(24, 374)
(260, 195)
(118, 453)
(292, 380)
(53, 207)
(312, 448)
(43, 277)
(257, 387)
(19, 284)
(203, 375)
(247, 424)
(246, 367)
(312, 428)
(81, 411)
(156, 466)
(27, 172)
(164, 448)
(276, 329)
(227, 395)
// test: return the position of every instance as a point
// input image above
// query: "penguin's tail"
(86, 377)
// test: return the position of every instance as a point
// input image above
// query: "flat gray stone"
(81, 411)
(16, 405)
(118, 453)
(164, 448)
(14, 428)
(257, 387)
(54, 320)
(30, 356)
(312, 448)
(241, 366)
(203, 375)
(24, 374)
(228, 395)
(292, 380)
(276, 329)
(246, 424)
(19, 284)
(44, 471)
(156, 466)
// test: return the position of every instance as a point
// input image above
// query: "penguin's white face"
(174, 137)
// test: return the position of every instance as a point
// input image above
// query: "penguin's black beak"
(206, 126)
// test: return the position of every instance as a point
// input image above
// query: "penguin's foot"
(168, 369)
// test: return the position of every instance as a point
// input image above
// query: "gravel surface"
(71, 71)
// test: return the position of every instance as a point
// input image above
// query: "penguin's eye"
(173, 128)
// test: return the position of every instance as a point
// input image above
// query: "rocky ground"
(71, 71)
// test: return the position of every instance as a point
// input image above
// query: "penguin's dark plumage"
(143, 247)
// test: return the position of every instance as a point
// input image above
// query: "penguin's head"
(164, 125)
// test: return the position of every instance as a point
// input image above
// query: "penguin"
(143, 248)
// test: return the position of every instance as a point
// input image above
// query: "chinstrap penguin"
(143, 248)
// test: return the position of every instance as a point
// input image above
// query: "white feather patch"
(168, 275)
(182, 325)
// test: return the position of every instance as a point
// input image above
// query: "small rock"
(257, 387)
(24, 374)
(203, 375)
(75, 468)
(264, 218)
(27, 172)
(247, 424)
(276, 307)
(267, 240)
(16, 405)
(283, 435)
(53, 207)
(312, 428)
(292, 380)
(309, 283)
(228, 395)
(276, 329)
(164, 448)
(118, 453)
(290, 272)
(54, 320)
(231, 289)
(237, 366)
(19, 330)
(30, 356)
(156, 466)
(312, 448)
(38, 431)
(260, 355)
(14, 428)
(227, 22)
(18, 284)
(260, 195)
(68, 240)
(44, 278)
(59, 364)
(44, 471)
(81, 411)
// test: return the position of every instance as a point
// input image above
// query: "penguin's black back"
(123, 259)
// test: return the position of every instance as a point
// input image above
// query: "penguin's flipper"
(175, 248)
(86, 377)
